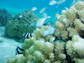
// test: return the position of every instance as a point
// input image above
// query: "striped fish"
(19, 50)
(27, 35)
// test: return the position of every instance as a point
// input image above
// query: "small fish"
(57, 16)
(52, 2)
(66, 8)
(49, 17)
(19, 50)
(27, 35)
(60, 1)
(34, 8)
(53, 39)
(40, 22)
(32, 24)
(45, 33)
(20, 16)
(42, 10)
(74, 1)
(49, 31)
(45, 15)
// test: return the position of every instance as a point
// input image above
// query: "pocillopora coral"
(75, 49)
(40, 33)
(71, 22)
(20, 24)
(44, 46)
(38, 49)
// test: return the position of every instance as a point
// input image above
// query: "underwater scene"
(41, 31)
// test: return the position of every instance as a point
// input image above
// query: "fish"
(34, 8)
(53, 39)
(49, 31)
(74, 1)
(20, 16)
(32, 24)
(42, 10)
(45, 15)
(66, 8)
(60, 1)
(52, 2)
(27, 35)
(19, 50)
(40, 22)
(57, 16)
(49, 17)
(45, 33)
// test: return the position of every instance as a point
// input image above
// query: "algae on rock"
(20, 24)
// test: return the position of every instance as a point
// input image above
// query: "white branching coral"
(75, 47)
(71, 22)
(39, 48)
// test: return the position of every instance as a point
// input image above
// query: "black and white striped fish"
(19, 50)
(27, 35)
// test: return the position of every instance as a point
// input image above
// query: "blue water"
(17, 6)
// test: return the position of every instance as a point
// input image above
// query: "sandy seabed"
(7, 47)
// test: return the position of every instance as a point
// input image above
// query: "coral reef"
(64, 44)
(20, 24)
(40, 34)
(41, 50)
(75, 49)
(71, 22)
(5, 16)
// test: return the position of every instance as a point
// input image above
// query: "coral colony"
(20, 24)
(68, 46)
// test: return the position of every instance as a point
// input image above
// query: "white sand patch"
(7, 47)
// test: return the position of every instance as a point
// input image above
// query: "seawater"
(17, 6)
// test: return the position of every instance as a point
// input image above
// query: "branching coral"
(75, 49)
(71, 22)
(42, 50)
(40, 33)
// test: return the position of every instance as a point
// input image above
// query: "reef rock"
(5, 16)
(21, 24)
